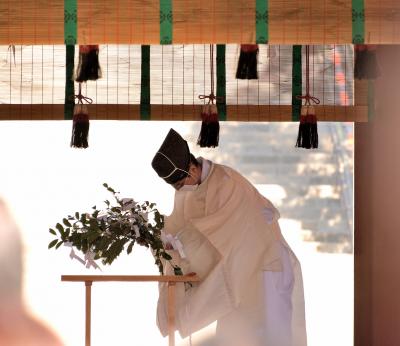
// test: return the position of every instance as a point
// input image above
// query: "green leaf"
(85, 246)
(60, 228)
(66, 223)
(115, 249)
(52, 243)
(109, 188)
(92, 236)
(52, 231)
(59, 244)
(161, 268)
(177, 270)
(76, 239)
(102, 243)
(129, 250)
(166, 256)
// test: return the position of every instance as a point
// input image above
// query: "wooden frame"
(135, 21)
(262, 113)
(171, 280)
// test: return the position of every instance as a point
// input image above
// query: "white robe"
(232, 240)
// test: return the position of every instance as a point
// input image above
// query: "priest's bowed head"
(174, 163)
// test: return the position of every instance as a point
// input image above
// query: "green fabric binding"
(70, 22)
(296, 83)
(221, 82)
(358, 19)
(262, 21)
(165, 21)
(69, 82)
(145, 109)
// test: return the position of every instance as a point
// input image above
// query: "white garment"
(232, 240)
(278, 289)
(205, 168)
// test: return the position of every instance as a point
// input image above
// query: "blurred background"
(42, 180)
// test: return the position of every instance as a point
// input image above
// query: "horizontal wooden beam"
(191, 21)
(246, 113)
(131, 278)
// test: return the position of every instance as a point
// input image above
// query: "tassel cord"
(211, 98)
(82, 98)
(308, 98)
(308, 133)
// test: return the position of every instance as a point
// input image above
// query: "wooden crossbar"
(245, 113)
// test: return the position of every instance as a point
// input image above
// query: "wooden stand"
(170, 279)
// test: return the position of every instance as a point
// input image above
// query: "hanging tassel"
(88, 65)
(365, 62)
(312, 120)
(247, 64)
(209, 133)
(213, 127)
(80, 127)
(307, 136)
(303, 136)
(205, 111)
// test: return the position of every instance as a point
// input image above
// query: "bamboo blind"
(189, 22)
(33, 83)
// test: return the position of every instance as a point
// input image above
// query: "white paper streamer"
(136, 230)
(102, 217)
(72, 254)
(174, 241)
(129, 203)
(178, 246)
(145, 216)
(89, 258)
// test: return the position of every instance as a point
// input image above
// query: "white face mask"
(189, 187)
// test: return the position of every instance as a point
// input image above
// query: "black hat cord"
(209, 133)
(308, 132)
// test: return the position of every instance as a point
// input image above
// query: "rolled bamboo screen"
(34, 84)
(189, 21)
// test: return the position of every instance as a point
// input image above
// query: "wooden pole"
(88, 285)
(171, 313)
